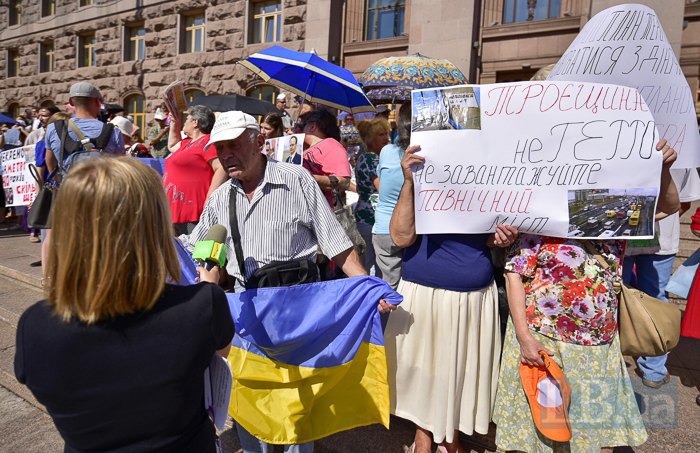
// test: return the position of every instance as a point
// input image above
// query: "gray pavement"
(671, 415)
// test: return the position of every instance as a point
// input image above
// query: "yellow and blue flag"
(308, 361)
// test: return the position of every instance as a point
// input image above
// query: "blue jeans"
(252, 444)
(650, 274)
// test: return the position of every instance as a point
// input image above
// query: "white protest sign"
(566, 159)
(17, 181)
(626, 45)
(288, 148)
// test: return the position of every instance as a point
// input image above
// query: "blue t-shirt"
(90, 128)
(390, 182)
(457, 262)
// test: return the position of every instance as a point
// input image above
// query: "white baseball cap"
(230, 125)
(159, 114)
(281, 97)
(124, 125)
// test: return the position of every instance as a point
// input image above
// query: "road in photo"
(606, 213)
(446, 109)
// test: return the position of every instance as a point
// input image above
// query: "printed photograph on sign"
(289, 149)
(606, 213)
(446, 109)
(270, 148)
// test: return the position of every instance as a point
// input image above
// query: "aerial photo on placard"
(606, 213)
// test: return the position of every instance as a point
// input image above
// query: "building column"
(324, 23)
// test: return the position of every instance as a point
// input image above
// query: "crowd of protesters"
(450, 369)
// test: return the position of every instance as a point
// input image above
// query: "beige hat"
(230, 125)
(124, 125)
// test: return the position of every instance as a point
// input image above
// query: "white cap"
(159, 114)
(230, 125)
(124, 125)
(281, 97)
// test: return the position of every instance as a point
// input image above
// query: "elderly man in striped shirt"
(281, 214)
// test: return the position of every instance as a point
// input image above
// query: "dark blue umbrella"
(4, 119)
(311, 77)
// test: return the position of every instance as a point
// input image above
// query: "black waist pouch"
(284, 273)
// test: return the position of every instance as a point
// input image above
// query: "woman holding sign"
(116, 353)
(562, 301)
(443, 342)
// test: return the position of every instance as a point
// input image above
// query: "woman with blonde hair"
(375, 135)
(116, 352)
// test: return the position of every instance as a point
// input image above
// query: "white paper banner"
(626, 45)
(17, 181)
(536, 155)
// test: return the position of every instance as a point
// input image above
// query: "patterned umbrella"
(391, 79)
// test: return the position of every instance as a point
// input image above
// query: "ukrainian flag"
(308, 361)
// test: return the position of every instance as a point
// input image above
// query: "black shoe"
(35, 264)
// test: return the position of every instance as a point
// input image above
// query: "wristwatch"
(334, 181)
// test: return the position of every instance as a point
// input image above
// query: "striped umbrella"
(309, 76)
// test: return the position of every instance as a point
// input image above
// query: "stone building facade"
(135, 83)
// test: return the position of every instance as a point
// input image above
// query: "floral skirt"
(442, 351)
(603, 410)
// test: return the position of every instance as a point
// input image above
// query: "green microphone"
(212, 250)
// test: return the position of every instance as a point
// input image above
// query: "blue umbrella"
(309, 76)
(4, 119)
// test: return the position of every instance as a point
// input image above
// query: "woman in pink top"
(325, 158)
(191, 173)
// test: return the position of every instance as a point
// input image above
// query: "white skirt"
(443, 350)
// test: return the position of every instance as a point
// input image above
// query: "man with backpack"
(83, 136)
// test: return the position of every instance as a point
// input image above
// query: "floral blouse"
(365, 171)
(569, 296)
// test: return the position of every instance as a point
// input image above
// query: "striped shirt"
(288, 218)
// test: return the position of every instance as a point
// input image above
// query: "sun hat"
(230, 125)
(124, 125)
(549, 395)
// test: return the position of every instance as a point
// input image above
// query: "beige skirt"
(443, 350)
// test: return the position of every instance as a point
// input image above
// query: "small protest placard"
(17, 181)
(565, 159)
(288, 148)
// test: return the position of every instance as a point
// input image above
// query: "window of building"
(385, 18)
(85, 2)
(86, 50)
(135, 46)
(266, 23)
(526, 10)
(192, 93)
(46, 57)
(15, 12)
(12, 62)
(192, 33)
(135, 105)
(263, 92)
(48, 8)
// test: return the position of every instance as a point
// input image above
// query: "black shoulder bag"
(276, 273)
(39, 215)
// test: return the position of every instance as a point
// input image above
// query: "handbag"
(647, 326)
(39, 215)
(276, 273)
(346, 218)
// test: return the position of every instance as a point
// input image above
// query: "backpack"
(73, 151)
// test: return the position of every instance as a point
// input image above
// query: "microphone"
(212, 250)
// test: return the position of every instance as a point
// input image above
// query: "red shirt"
(187, 178)
(327, 158)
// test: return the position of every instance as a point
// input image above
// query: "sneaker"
(657, 384)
